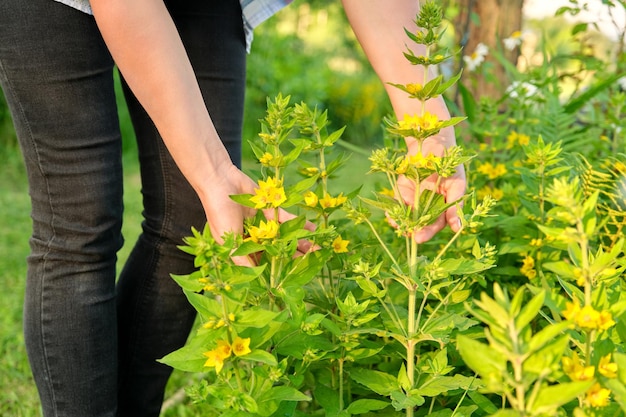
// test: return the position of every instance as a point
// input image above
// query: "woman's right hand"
(225, 215)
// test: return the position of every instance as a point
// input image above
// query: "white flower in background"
(477, 57)
(521, 90)
(514, 40)
(622, 83)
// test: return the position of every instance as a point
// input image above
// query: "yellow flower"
(598, 396)
(215, 357)
(414, 89)
(515, 137)
(388, 192)
(587, 318)
(241, 346)
(605, 321)
(270, 193)
(420, 161)
(265, 230)
(310, 199)
(528, 267)
(573, 368)
(330, 202)
(606, 367)
(340, 245)
(495, 193)
(417, 122)
(266, 158)
(571, 309)
(492, 171)
(523, 139)
(620, 166)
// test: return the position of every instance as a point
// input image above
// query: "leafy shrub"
(519, 313)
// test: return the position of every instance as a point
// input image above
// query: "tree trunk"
(488, 22)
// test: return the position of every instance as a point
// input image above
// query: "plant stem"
(382, 244)
(410, 346)
(341, 404)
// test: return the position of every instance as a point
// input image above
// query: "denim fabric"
(92, 344)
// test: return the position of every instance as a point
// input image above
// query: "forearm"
(148, 51)
(379, 26)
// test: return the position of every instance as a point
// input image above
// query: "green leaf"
(579, 27)
(552, 397)
(284, 393)
(327, 398)
(294, 153)
(469, 102)
(577, 103)
(205, 306)
(464, 266)
(254, 317)
(506, 413)
(188, 282)
(243, 274)
(529, 311)
(495, 310)
(246, 248)
(402, 401)
(563, 269)
(449, 83)
(243, 199)
(261, 356)
(482, 402)
(442, 384)
(547, 357)
(365, 406)
(618, 392)
(547, 334)
(188, 359)
(334, 137)
(489, 363)
(304, 268)
(379, 382)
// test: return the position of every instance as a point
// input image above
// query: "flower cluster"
(495, 193)
(517, 138)
(312, 200)
(576, 370)
(263, 232)
(492, 171)
(419, 126)
(587, 317)
(223, 351)
(528, 267)
(269, 194)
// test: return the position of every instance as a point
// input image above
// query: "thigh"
(57, 77)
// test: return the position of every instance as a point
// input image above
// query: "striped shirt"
(254, 12)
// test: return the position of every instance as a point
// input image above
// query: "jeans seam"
(48, 244)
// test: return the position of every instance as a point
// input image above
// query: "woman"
(93, 346)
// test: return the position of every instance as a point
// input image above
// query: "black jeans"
(93, 345)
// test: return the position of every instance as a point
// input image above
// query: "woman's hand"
(225, 215)
(452, 188)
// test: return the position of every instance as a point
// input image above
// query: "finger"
(427, 232)
(243, 261)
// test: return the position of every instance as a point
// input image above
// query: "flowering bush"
(518, 313)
